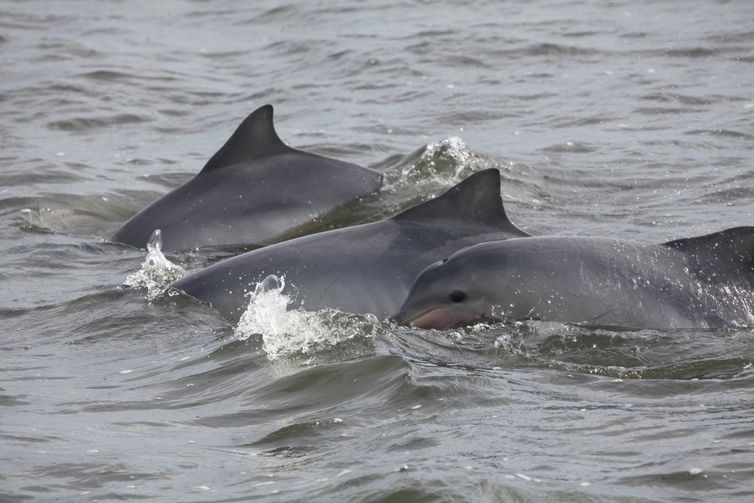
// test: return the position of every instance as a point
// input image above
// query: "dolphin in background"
(254, 191)
(700, 282)
(366, 268)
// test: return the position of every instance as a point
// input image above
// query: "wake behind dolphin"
(701, 282)
(366, 268)
(255, 190)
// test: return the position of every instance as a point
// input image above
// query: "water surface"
(626, 119)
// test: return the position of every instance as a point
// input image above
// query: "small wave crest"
(156, 272)
(36, 220)
(88, 123)
(446, 162)
(290, 333)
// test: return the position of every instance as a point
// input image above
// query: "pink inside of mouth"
(437, 317)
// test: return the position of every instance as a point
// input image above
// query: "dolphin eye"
(457, 296)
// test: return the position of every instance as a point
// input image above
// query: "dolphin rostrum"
(255, 190)
(366, 268)
(700, 282)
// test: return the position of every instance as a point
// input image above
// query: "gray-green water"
(621, 118)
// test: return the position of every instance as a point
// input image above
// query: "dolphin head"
(447, 293)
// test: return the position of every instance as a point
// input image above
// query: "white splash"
(295, 332)
(449, 158)
(156, 272)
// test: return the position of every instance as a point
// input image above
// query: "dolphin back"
(255, 190)
(367, 268)
(727, 255)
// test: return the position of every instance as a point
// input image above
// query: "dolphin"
(255, 190)
(699, 282)
(367, 268)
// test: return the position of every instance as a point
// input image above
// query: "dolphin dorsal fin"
(476, 200)
(721, 254)
(253, 139)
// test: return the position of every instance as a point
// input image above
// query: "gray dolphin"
(698, 282)
(366, 268)
(253, 191)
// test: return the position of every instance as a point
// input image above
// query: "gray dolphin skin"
(366, 268)
(701, 282)
(253, 191)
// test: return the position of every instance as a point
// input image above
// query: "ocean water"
(619, 118)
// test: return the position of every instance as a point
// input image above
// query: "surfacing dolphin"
(255, 190)
(367, 268)
(700, 282)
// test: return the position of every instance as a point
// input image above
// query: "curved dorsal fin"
(476, 199)
(253, 139)
(724, 254)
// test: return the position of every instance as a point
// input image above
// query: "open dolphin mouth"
(438, 317)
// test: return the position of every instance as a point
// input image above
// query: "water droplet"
(156, 271)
